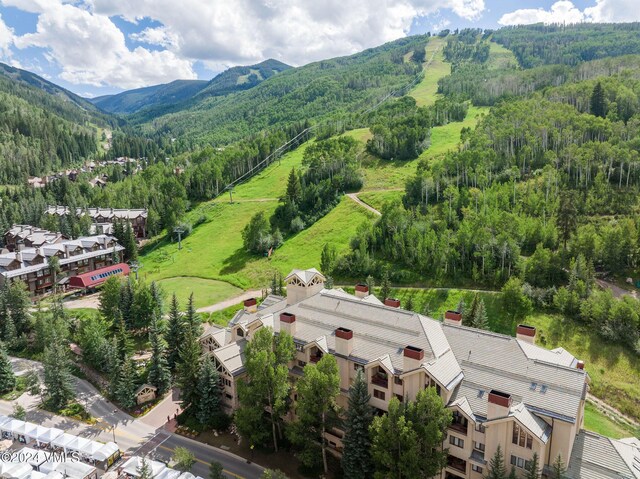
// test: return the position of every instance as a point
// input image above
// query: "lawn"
(500, 57)
(205, 291)
(596, 421)
(377, 199)
(425, 92)
(387, 175)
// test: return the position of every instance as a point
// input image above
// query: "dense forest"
(539, 44)
(329, 89)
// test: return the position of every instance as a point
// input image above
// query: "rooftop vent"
(414, 352)
(344, 333)
(392, 302)
(287, 318)
(499, 398)
(362, 290)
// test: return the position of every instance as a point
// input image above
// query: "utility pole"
(179, 231)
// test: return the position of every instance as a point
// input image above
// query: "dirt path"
(355, 198)
(230, 302)
(616, 290)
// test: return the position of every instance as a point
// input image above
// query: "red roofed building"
(99, 276)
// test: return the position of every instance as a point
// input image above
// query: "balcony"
(379, 380)
(459, 427)
(456, 463)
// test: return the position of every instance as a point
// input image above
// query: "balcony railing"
(314, 358)
(380, 381)
(458, 427)
(457, 464)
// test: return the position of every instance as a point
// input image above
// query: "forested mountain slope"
(540, 44)
(321, 90)
(43, 127)
(131, 101)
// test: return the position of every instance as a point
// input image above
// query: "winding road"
(130, 434)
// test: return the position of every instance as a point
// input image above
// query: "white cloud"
(6, 40)
(565, 11)
(614, 11)
(90, 49)
(227, 32)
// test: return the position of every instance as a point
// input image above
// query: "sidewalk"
(168, 407)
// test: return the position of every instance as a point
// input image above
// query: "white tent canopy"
(62, 440)
(106, 451)
(74, 470)
(27, 429)
(131, 467)
(49, 435)
(10, 470)
(11, 425)
(79, 444)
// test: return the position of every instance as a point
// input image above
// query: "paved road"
(129, 433)
(230, 302)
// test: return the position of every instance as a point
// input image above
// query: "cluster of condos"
(503, 391)
(104, 218)
(84, 262)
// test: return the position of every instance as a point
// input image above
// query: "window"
(456, 441)
(479, 446)
(397, 380)
(299, 347)
(240, 332)
(480, 428)
(475, 468)
(229, 396)
(302, 363)
(521, 437)
(227, 382)
(519, 462)
(378, 394)
(533, 386)
(358, 367)
(400, 397)
(543, 388)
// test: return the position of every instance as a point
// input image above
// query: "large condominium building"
(75, 257)
(21, 236)
(502, 390)
(137, 218)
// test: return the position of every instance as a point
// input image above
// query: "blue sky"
(96, 47)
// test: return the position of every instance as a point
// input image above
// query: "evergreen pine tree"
(513, 474)
(174, 334)
(385, 286)
(371, 283)
(126, 386)
(469, 318)
(216, 471)
(294, 188)
(125, 344)
(480, 319)
(58, 380)
(7, 377)
(208, 409)
(597, 101)
(158, 300)
(130, 245)
(191, 318)
(189, 366)
(558, 468)
(409, 306)
(356, 456)
(461, 307)
(274, 284)
(533, 469)
(497, 469)
(328, 259)
(144, 469)
(159, 373)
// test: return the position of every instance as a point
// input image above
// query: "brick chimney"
(288, 323)
(392, 302)
(526, 333)
(453, 317)
(344, 341)
(250, 305)
(580, 364)
(412, 358)
(498, 404)
(362, 290)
